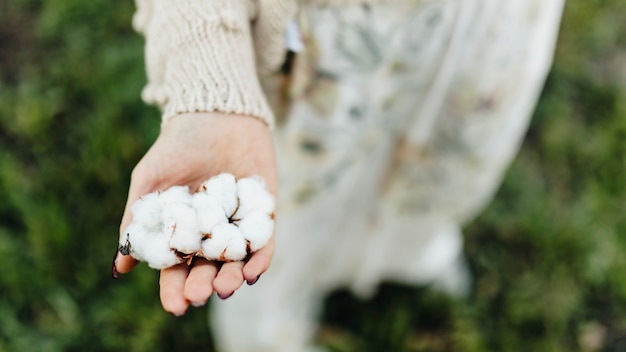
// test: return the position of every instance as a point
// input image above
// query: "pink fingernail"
(252, 282)
(114, 273)
(198, 304)
(225, 296)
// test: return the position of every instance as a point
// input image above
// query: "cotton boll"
(157, 252)
(146, 211)
(168, 227)
(135, 236)
(208, 218)
(213, 248)
(176, 194)
(181, 227)
(170, 216)
(148, 246)
(209, 211)
(186, 242)
(257, 227)
(137, 240)
(224, 188)
(253, 197)
(237, 248)
(204, 200)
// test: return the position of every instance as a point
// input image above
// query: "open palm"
(190, 149)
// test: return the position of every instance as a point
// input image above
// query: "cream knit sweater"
(204, 56)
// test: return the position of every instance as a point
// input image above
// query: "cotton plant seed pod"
(176, 194)
(149, 246)
(224, 220)
(209, 212)
(236, 250)
(225, 243)
(257, 228)
(253, 197)
(146, 211)
(224, 188)
(181, 227)
(203, 200)
(158, 253)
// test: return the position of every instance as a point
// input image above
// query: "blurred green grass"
(546, 256)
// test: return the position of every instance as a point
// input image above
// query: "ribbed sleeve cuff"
(200, 58)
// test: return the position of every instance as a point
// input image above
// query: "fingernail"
(198, 304)
(226, 296)
(114, 273)
(252, 282)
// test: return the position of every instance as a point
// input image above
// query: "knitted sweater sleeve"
(200, 54)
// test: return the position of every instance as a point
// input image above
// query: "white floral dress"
(399, 124)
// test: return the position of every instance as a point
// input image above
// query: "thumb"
(123, 264)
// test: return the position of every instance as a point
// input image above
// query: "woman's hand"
(190, 149)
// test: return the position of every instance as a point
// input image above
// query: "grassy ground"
(546, 256)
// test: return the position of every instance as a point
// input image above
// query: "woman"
(393, 128)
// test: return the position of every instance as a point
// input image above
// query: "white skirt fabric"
(399, 122)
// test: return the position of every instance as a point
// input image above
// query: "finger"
(199, 284)
(172, 286)
(258, 263)
(122, 264)
(228, 279)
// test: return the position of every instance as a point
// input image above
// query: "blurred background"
(548, 256)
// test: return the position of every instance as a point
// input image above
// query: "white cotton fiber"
(208, 218)
(257, 227)
(146, 211)
(204, 200)
(215, 244)
(151, 247)
(176, 194)
(253, 197)
(237, 248)
(224, 188)
(209, 211)
(133, 239)
(181, 227)
(224, 221)
(158, 254)
(171, 216)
